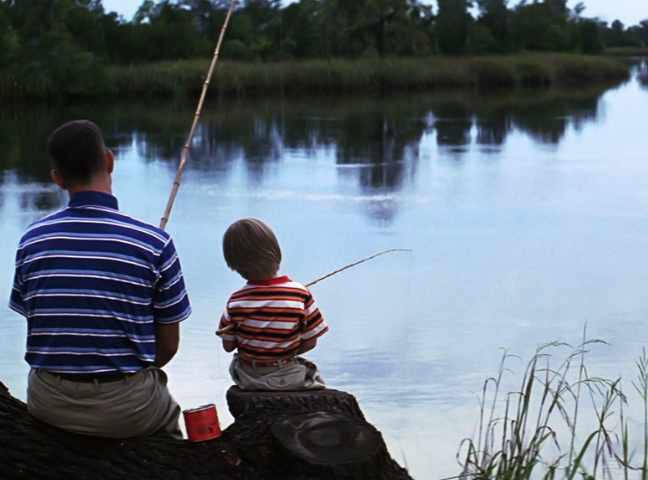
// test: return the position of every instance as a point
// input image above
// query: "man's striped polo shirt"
(272, 319)
(92, 284)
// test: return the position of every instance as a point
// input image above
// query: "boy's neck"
(270, 281)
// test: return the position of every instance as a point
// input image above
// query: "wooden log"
(247, 450)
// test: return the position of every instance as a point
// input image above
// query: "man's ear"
(109, 158)
(57, 178)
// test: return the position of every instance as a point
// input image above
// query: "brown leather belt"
(267, 363)
(91, 377)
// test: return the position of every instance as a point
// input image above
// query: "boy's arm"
(314, 325)
(307, 345)
(229, 340)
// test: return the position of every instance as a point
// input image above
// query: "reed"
(331, 76)
(370, 75)
(627, 52)
(562, 423)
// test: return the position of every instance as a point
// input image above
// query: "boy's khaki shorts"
(299, 374)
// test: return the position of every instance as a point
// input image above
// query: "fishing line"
(329, 275)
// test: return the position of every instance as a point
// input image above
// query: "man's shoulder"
(150, 228)
(34, 227)
(128, 224)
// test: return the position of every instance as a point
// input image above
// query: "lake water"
(527, 214)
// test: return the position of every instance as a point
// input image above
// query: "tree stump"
(248, 449)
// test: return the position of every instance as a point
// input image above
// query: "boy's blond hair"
(251, 248)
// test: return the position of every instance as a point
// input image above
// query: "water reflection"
(642, 73)
(376, 143)
(492, 129)
(391, 146)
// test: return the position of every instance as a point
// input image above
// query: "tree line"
(53, 39)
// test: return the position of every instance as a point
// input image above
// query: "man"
(103, 295)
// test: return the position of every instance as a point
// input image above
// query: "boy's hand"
(224, 331)
(229, 345)
(307, 346)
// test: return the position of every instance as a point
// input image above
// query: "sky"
(629, 12)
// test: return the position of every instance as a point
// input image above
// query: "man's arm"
(170, 305)
(167, 338)
(16, 301)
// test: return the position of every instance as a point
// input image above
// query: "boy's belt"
(267, 363)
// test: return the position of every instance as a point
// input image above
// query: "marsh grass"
(562, 422)
(368, 75)
(628, 52)
(327, 76)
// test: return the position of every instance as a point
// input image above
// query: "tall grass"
(628, 51)
(562, 423)
(368, 75)
(332, 76)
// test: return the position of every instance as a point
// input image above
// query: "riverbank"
(627, 52)
(327, 76)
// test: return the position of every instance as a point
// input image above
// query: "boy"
(271, 320)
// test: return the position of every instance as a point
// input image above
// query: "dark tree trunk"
(247, 450)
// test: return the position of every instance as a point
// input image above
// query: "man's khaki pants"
(136, 406)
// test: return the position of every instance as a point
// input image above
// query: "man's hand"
(167, 339)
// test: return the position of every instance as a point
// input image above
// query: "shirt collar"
(88, 198)
(272, 281)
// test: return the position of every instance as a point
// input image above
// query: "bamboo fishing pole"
(194, 124)
(225, 330)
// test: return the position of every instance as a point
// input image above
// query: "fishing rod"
(196, 119)
(229, 328)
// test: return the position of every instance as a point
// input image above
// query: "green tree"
(557, 8)
(615, 36)
(536, 27)
(590, 37)
(494, 15)
(169, 31)
(301, 27)
(643, 31)
(9, 41)
(452, 25)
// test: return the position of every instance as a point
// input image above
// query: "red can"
(202, 423)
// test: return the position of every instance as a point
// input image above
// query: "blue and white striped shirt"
(92, 284)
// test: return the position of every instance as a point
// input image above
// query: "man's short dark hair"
(77, 151)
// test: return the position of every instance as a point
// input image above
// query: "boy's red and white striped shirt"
(272, 318)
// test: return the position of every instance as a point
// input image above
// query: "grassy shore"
(331, 76)
(627, 52)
